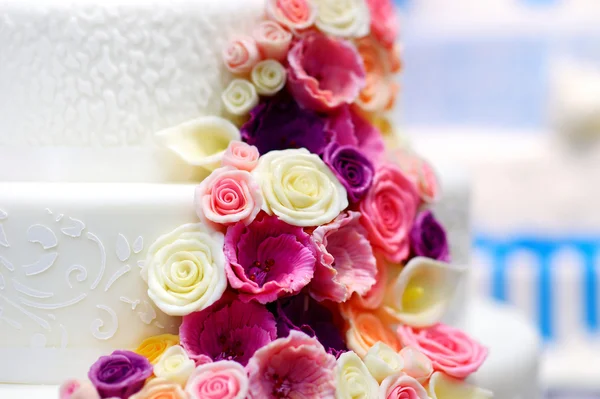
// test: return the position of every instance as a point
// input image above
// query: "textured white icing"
(85, 85)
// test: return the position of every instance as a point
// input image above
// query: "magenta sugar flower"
(325, 73)
(120, 375)
(345, 261)
(268, 259)
(227, 330)
(296, 364)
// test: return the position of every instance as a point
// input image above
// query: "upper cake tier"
(86, 84)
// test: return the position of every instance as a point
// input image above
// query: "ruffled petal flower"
(152, 348)
(120, 374)
(442, 386)
(416, 364)
(383, 361)
(345, 260)
(294, 14)
(354, 170)
(401, 386)
(298, 364)
(303, 313)
(174, 365)
(228, 330)
(374, 297)
(200, 142)
(268, 77)
(428, 238)
(422, 292)
(324, 72)
(279, 123)
(241, 54)
(343, 18)
(75, 389)
(240, 97)
(241, 156)
(219, 380)
(451, 351)
(159, 388)
(353, 379)
(268, 259)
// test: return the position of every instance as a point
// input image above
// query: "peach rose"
(381, 87)
(227, 196)
(241, 156)
(241, 54)
(366, 329)
(389, 211)
(273, 40)
(384, 21)
(450, 350)
(420, 172)
(159, 388)
(293, 14)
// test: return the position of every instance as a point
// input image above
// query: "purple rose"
(120, 375)
(278, 123)
(352, 168)
(428, 238)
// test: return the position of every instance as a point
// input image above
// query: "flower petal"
(443, 387)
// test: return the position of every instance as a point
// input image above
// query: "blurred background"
(510, 89)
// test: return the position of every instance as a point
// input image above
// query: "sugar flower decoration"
(185, 269)
(451, 351)
(228, 330)
(75, 389)
(268, 259)
(347, 128)
(227, 196)
(381, 66)
(442, 386)
(241, 156)
(273, 40)
(279, 123)
(428, 237)
(365, 330)
(384, 21)
(383, 361)
(353, 379)
(416, 364)
(324, 83)
(420, 172)
(389, 211)
(401, 386)
(293, 14)
(343, 18)
(374, 298)
(174, 365)
(240, 97)
(422, 291)
(354, 170)
(345, 260)
(200, 142)
(241, 54)
(219, 380)
(296, 364)
(303, 313)
(159, 388)
(120, 374)
(152, 348)
(269, 77)
(299, 188)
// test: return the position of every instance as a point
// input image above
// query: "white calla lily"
(442, 386)
(200, 142)
(421, 293)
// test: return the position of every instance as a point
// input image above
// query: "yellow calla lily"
(442, 386)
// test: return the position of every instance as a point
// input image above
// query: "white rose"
(416, 364)
(353, 379)
(343, 18)
(175, 365)
(269, 77)
(185, 269)
(240, 97)
(382, 361)
(299, 188)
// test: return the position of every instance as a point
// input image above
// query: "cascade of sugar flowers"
(316, 268)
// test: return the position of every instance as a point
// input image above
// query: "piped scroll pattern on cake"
(29, 305)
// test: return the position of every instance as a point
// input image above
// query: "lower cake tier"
(70, 287)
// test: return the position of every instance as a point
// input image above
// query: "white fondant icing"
(123, 248)
(43, 235)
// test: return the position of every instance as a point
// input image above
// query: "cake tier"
(86, 84)
(70, 287)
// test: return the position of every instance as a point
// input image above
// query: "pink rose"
(384, 21)
(401, 386)
(450, 350)
(228, 196)
(389, 211)
(241, 55)
(224, 379)
(324, 72)
(74, 389)
(273, 40)
(241, 156)
(294, 14)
